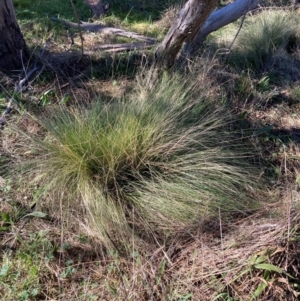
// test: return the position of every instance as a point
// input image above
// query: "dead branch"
(106, 30)
(122, 47)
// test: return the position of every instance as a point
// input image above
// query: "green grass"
(140, 10)
(160, 172)
(41, 9)
(156, 162)
(133, 11)
(22, 272)
(34, 18)
(262, 36)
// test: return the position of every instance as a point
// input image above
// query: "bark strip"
(184, 28)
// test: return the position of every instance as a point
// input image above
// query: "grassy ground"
(116, 186)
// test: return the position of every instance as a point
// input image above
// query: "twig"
(238, 32)
(70, 37)
(18, 87)
(236, 35)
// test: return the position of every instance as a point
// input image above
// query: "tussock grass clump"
(262, 36)
(151, 164)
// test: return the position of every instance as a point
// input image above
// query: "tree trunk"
(188, 22)
(12, 45)
(218, 19)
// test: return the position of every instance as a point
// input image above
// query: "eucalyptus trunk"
(184, 28)
(13, 51)
(218, 19)
(195, 21)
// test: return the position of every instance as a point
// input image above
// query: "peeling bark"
(194, 23)
(184, 28)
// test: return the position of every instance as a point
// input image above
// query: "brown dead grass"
(202, 262)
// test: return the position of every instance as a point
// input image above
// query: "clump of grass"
(262, 36)
(151, 164)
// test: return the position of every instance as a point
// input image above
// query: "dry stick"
(228, 51)
(70, 37)
(121, 47)
(222, 242)
(18, 87)
(236, 35)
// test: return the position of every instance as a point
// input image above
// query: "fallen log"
(106, 30)
(122, 47)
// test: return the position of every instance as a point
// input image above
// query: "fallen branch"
(123, 47)
(105, 29)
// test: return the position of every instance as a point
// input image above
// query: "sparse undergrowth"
(86, 214)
